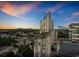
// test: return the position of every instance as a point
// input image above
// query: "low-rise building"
(74, 31)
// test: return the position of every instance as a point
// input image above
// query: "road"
(5, 49)
(69, 48)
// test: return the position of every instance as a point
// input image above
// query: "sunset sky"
(23, 14)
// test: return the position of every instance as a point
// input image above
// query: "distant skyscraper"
(43, 45)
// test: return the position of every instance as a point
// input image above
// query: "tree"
(7, 41)
(25, 51)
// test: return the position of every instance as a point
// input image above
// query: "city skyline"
(23, 14)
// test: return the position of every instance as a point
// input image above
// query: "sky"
(28, 14)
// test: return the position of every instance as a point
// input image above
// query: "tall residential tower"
(43, 44)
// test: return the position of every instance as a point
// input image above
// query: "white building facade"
(74, 31)
(43, 45)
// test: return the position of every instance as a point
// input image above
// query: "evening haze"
(23, 14)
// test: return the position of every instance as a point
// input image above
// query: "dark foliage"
(25, 51)
(7, 41)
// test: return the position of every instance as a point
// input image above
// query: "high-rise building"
(43, 45)
(74, 31)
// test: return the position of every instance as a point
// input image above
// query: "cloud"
(66, 25)
(69, 18)
(73, 16)
(10, 9)
(76, 14)
(75, 21)
(72, 21)
(55, 8)
(26, 8)
(7, 27)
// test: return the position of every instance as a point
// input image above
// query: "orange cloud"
(10, 9)
(7, 27)
(26, 8)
